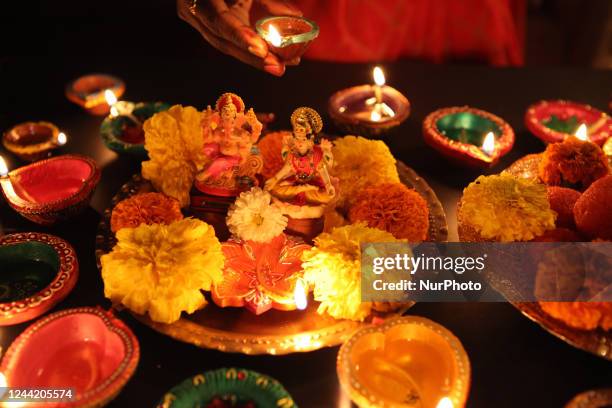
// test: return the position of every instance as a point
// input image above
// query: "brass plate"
(274, 332)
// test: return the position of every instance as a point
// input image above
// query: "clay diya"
(405, 362)
(228, 387)
(50, 190)
(86, 348)
(369, 110)
(88, 92)
(31, 141)
(552, 121)
(123, 133)
(37, 271)
(468, 136)
(287, 36)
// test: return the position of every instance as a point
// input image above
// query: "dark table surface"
(515, 363)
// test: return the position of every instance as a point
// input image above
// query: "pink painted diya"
(87, 350)
(468, 136)
(51, 190)
(552, 121)
(88, 92)
(287, 36)
(37, 271)
(31, 141)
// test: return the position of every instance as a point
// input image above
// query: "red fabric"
(436, 30)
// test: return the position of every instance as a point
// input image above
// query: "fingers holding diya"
(287, 36)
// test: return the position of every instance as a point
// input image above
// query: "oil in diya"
(287, 36)
(369, 110)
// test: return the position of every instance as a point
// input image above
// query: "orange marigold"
(394, 208)
(146, 208)
(270, 148)
(574, 162)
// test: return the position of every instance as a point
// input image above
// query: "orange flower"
(147, 208)
(270, 148)
(573, 162)
(394, 208)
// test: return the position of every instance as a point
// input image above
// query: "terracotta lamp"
(369, 110)
(552, 121)
(468, 136)
(31, 141)
(89, 92)
(50, 190)
(287, 36)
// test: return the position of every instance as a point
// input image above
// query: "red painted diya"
(260, 276)
(468, 136)
(552, 121)
(88, 92)
(37, 271)
(31, 141)
(51, 190)
(86, 350)
(288, 37)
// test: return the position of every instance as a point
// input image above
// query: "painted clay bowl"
(85, 349)
(31, 141)
(458, 133)
(88, 92)
(37, 271)
(296, 35)
(404, 362)
(235, 386)
(123, 136)
(552, 121)
(51, 190)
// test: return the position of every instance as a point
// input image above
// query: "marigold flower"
(270, 148)
(146, 208)
(253, 218)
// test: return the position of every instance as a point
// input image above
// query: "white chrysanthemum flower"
(254, 218)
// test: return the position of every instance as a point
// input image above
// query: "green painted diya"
(468, 136)
(228, 387)
(122, 131)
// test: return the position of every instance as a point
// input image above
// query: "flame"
(274, 36)
(582, 132)
(379, 76)
(110, 97)
(488, 145)
(445, 403)
(299, 295)
(114, 112)
(375, 115)
(62, 138)
(3, 167)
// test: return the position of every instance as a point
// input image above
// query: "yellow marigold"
(360, 163)
(174, 142)
(333, 268)
(146, 208)
(270, 148)
(161, 269)
(504, 208)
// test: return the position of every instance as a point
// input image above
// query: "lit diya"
(369, 110)
(552, 121)
(468, 136)
(122, 130)
(31, 141)
(87, 348)
(287, 36)
(89, 92)
(405, 362)
(37, 271)
(50, 190)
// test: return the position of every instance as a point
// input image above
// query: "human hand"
(228, 29)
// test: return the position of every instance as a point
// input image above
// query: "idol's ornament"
(302, 188)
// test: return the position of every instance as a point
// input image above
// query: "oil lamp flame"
(3, 167)
(299, 295)
(110, 97)
(445, 403)
(274, 36)
(488, 145)
(582, 132)
(379, 76)
(375, 115)
(61, 139)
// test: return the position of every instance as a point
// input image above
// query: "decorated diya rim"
(111, 136)
(545, 109)
(61, 285)
(599, 398)
(35, 208)
(108, 389)
(466, 152)
(287, 40)
(351, 124)
(363, 397)
(238, 385)
(31, 151)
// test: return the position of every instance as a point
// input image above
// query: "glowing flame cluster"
(274, 36)
(3, 167)
(445, 403)
(300, 294)
(379, 76)
(488, 145)
(62, 138)
(111, 100)
(582, 132)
